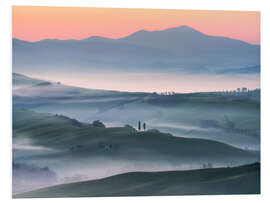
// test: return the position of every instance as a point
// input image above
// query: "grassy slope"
(237, 180)
(61, 133)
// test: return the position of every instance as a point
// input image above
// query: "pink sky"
(33, 23)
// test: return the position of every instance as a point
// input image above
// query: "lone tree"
(144, 126)
(139, 125)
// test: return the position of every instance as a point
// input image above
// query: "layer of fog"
(180, 121)
(30, 147)
(73, 169)
(55, 90)
(87, 105)
(153, 81)
(183, 120)
(24, 147)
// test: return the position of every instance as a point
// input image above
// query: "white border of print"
(5, 79)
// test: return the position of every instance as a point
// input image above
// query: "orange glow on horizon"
(33, 23)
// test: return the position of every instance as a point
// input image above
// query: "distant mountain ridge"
(173, 38)
(179, 49)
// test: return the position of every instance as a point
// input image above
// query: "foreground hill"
(77, 151)
(237, 180)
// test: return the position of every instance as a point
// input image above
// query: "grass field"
(237, 180)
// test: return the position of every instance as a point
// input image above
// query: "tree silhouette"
(144, 126)
(139, 125)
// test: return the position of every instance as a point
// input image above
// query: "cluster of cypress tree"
(143, 126)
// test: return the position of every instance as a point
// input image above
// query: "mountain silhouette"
(175, 49)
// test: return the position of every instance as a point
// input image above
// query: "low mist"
(154, 82)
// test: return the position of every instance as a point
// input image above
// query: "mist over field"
(181, 115)
(100, 110)
(151, 81)
(47, 153)
(72, 152)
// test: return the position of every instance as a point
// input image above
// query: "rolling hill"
(61, 132)
(180, 114)
(237, 180)
(76, 151)
(88, 148)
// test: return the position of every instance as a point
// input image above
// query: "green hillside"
(63, 133)
(237, 180)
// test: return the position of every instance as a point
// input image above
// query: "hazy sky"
(33, 23)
